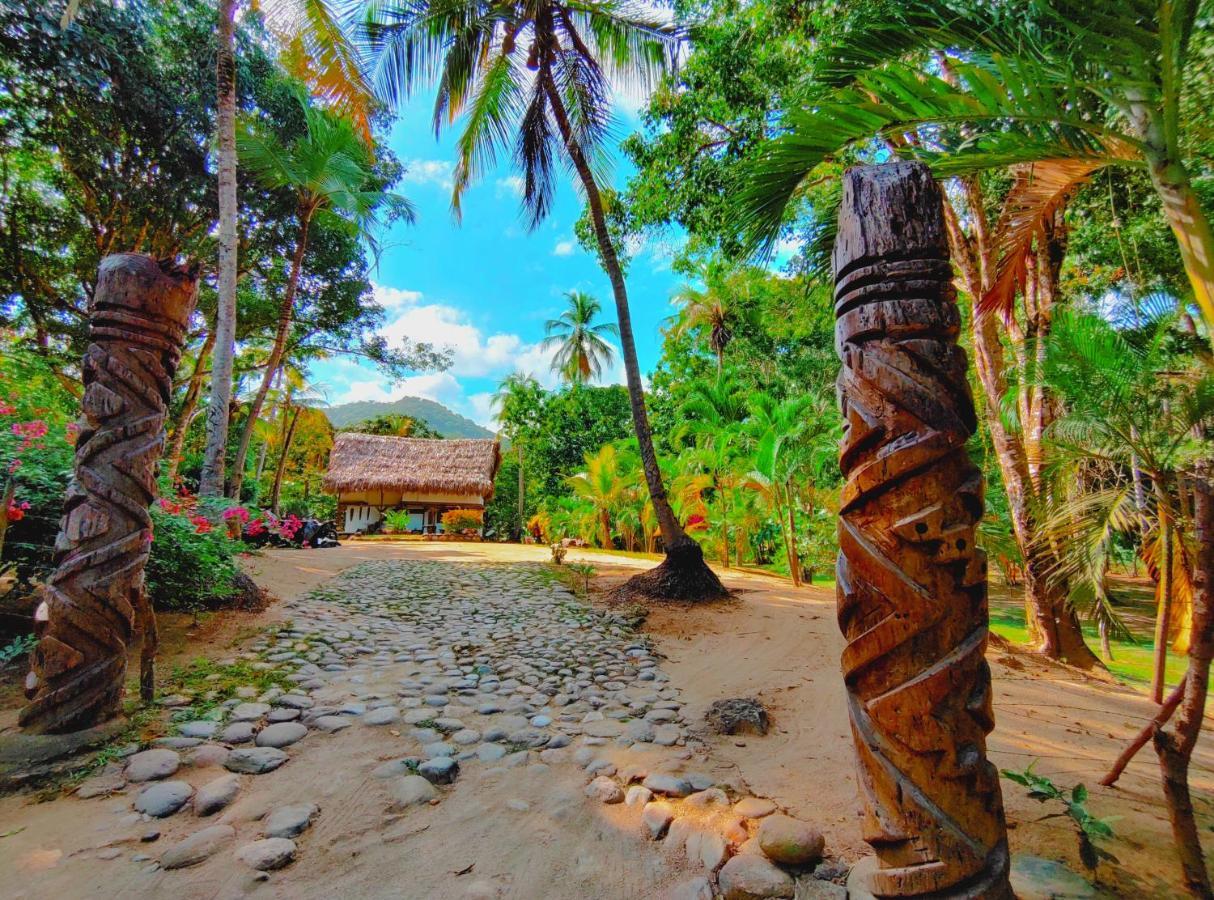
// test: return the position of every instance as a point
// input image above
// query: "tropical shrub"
(459, 521)
(192, 564)
(396, 521)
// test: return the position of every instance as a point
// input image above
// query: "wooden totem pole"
(911, 583)
(137, 324)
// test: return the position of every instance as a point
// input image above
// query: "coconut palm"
(581, 347)
(712, 309)
(330, 170)
(319, 54)
(787, 436)
(535, 80)
(1128, 405)
(1060, 85)
(714, 412)
(604, 486)
(517, 400)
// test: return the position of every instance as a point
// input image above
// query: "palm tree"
(533, 78)
(1128, 405)
(581, 350)
(329, 169)
(711, 309)
(604, 486)
(1059, 85)
(319, 53)
(714, 411)
(517, 401)
(218, 406)
(787, 436)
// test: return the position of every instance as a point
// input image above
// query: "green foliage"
(16, 648)
(188, 570)
(396, 521)
(1090, 829)
(395, 425)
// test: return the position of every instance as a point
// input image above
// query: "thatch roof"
(362, 462)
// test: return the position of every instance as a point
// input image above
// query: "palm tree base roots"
(682, 575)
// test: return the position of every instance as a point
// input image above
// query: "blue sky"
(485, 287)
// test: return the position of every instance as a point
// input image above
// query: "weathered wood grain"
(911, 584)
(138, 319)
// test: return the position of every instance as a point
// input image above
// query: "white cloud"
(564, 248)
(482, 411)
(429, 171)
(786, 246)
(510, 186)
(391, 298)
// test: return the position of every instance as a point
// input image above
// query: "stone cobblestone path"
(490, 690)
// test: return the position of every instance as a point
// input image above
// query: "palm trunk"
(725, 527)
(1192, 230)
(285, 316)
(189, 404)
(212, 478)
(1052, 623)
(1175, 748)
(522, 505)
(683, 574)
(605, 529)
(282, 459)
(794, 562)
(1164, 614)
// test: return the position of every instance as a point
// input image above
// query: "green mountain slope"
(447, 423)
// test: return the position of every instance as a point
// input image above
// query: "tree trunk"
(794, 561)
(522, 505)
(189, 404)
(1192, 229)
(683, 575)
(1052, 624)
(1175, 748)
(214, 457)
(138, 319)
(912, 583)
(282, 459)
(1163, 615)
(725, 528)
(605, 529)
(285, 316)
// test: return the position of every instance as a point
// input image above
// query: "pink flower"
(236, 512)
(16, 511)
(7, 409)
(256, 527)
(13, 465)
(30, 433)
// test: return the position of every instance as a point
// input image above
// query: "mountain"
(447, 423)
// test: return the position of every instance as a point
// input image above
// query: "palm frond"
(1004, 112)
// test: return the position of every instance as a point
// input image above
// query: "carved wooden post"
(138, 320)
(911, 584)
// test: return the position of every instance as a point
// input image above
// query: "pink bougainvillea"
(236, 512)
(31, 433)
(289, 526)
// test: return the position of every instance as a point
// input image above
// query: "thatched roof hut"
(370, 462)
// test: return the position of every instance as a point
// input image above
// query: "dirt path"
(383, 647)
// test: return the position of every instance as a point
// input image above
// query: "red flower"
(7, 409)
(16, 511)
(256, 527)
(201, 524)
(236, 512)
(169, 506)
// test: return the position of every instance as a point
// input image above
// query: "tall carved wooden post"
(137, 325)
(911, 584)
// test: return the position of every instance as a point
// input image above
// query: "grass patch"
(212, 683)
(1132, 662)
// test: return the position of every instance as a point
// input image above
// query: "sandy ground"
(774, 642)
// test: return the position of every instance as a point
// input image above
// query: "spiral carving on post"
(912, 598)
(137, 325)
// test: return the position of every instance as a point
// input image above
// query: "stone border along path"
(476, 665)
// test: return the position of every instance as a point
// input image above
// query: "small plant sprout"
(558, 553)
(1089, 828)
(585, 570)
